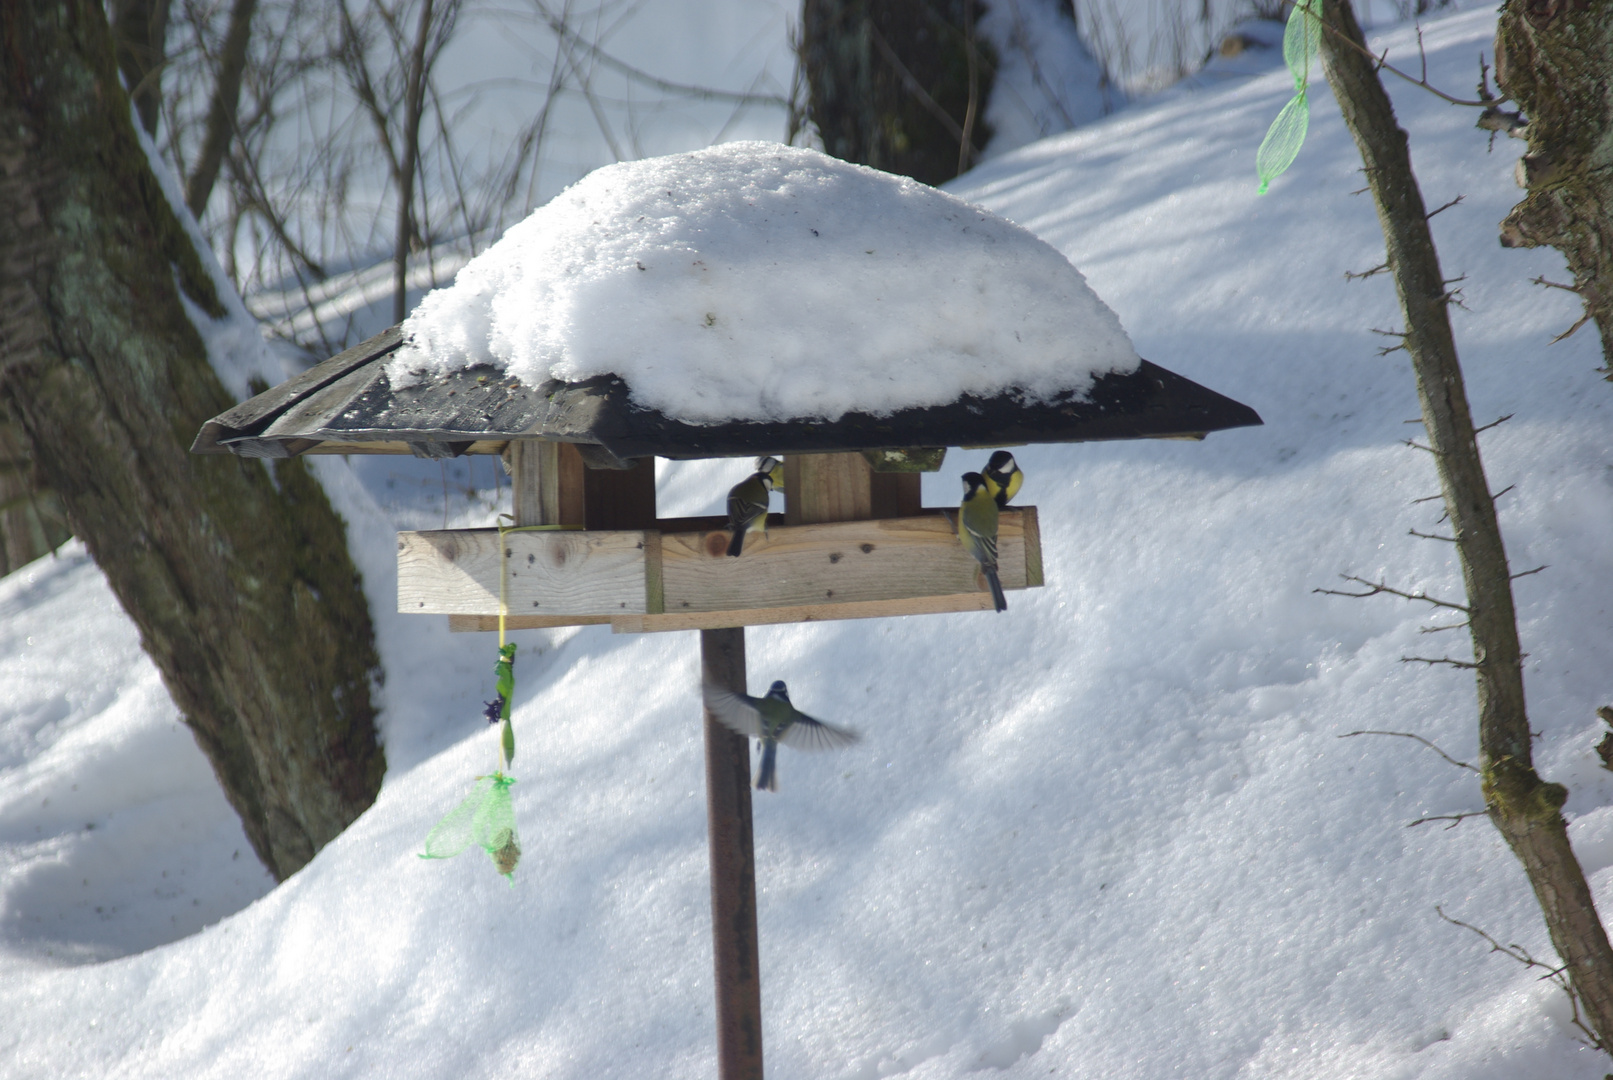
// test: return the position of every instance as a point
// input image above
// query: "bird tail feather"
(737, 543)
(766, 775)
(998, 600)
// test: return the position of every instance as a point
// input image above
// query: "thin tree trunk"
(1555, 59)
(898, 84)
(141, 30)
(1523, 807)
(222, 109)
(414, 97)
(237, 577)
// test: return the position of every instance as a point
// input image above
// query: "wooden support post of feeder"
(733, 869)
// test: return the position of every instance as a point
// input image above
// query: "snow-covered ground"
(1110, 833)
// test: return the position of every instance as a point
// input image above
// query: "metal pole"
(733, 870)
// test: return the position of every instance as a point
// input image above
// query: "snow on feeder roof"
(745, 298)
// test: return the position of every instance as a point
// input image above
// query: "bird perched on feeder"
(747, 503)
(1003, 478)
(977, 528)
(773, 720)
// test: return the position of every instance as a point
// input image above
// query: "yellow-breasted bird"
(1003, 478)
(977, 528)
(773, 720)
(773, 467)
(747, 504)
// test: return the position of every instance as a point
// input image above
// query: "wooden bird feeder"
(855, 541)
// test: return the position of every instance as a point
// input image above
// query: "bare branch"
(1414, 738)
(1493, 423)
(1377, 588)
(1431, 661)
(1381, 268)
(1526, 573)
(1447, 206)
(1431, 536)
(1454, 819)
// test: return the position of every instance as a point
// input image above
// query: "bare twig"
(1432, 661)
(1493, 423)
(1431, 536)
(1454, 819)
(1381, 268)
(1414, 738)
(1378, 588)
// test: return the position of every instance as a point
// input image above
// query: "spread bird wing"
(737, 712)
(808, 733)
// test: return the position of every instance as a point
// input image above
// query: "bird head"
(767, 464)
(1001, 462)
(972, 483)
(778, 692)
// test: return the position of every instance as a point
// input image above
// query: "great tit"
(773, 467)
(747, 504)
(1003, 478)
(977, 528)
(774, 720)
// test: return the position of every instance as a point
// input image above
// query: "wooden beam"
(835, 562)
(835, 570)
(858, 609)
(546, 482)
(827, 487)
(733, 869)
(620, 498)
(456, 572)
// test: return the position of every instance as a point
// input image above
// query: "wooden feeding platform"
(855, 540)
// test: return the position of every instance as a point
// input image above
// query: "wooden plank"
(1031, 523)
(456, 572)
(896, 494)
(827, 487)
(862, 609)
(832, 563)
(467, 624)
(621, 498)
(801, 574)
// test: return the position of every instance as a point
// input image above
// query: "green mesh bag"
(486, 819)
(1302, 39)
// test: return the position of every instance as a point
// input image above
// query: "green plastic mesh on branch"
(486, 819)
(1302, 39)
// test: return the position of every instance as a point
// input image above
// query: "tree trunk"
(1555, 59)
(1522, 806)
(237, 577)
(222, 108)
(31, 518)
(141, 30)
(898, 84)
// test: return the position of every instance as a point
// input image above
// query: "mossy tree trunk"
(31, 517)
(1555, 59)
(1522, 806)
(900, 85)
(237, 576)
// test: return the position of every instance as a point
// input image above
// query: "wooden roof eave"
(349, 400)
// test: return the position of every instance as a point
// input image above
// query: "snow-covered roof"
(762, 282)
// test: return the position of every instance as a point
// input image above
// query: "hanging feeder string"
(504, 597)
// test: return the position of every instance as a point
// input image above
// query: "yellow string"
(504, 583)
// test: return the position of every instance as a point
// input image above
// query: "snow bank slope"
(1111, 833)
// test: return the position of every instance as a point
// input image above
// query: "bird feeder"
(603, 347)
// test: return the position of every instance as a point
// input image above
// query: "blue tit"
(977, 528)
(1003, 478)
(747, 506)
(773, 720)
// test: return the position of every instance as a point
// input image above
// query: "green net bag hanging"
(1302, 39)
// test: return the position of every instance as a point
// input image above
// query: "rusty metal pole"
(733, 869)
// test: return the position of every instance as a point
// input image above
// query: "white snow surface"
(1112, 833)
(757, 281)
